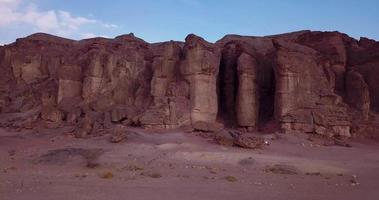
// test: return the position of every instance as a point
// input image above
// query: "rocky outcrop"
(294, 98)
(305, 100)
(169, 90)
(69, 82)
(200, 69)
(358, 94)
(333, 56)
(247, 105)
(314, 82)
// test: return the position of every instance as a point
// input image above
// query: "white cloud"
(7, 11)
(58, 22)
(70, 22)
(88, 35)
(46, 21)
(92, 35)
(109, 25)
(10, 3)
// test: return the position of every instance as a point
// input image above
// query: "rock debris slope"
(315, 82)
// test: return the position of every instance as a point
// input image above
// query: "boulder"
(85, 128)
(51, 114)
(248, 141)
(207, 126)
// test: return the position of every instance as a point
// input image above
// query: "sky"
(163, 20)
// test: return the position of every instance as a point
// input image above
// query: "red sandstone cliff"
(317, 82)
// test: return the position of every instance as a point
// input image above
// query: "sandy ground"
(176, 165)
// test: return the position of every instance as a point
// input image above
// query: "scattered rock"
(118, 137)
(7, 169)
(224, 138)
(236, 138)
(207, 127)
(151, 174)
(281, 169)
(62, 156)
(12, 152)
(134, 167)
(212, 170)
(329, 141)
(121, 135)
(231, 179)
(85, 128)
(353, 180)
(92, 163)
(313, 174)
(248, 141)
(247, 161)
(80, 175)
(107, 175)
(341, 141)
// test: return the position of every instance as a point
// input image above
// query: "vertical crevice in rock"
(370, 72)
(228, 85)
(267, 88)
(357, 94)
(246, 83)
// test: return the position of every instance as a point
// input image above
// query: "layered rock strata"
(314, 82)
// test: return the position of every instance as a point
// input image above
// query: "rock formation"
(314, 82)
(200, 70)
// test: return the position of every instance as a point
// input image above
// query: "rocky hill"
(316, 82)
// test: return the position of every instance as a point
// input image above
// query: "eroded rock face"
(294, 82)
(170, 92)
(247, 100)
(200, 69)
(333, 56)
(304, 92)
(315, 82)
(69, 82)
(357, 93)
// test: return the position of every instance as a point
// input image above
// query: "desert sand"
(52, 164)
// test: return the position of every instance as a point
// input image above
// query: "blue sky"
(162, 20)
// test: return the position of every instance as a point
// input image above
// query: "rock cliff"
(314, 82)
